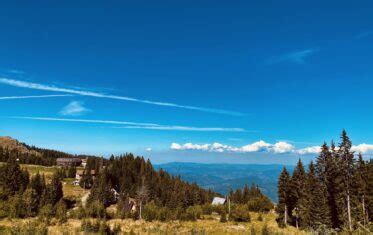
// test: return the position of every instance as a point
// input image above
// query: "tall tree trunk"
(286, 215)
(140, 216)
(363, 204)
(349, 211)
(229, 206)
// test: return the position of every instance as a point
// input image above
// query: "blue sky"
(264, 81)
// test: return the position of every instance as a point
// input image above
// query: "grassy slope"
(209, 225)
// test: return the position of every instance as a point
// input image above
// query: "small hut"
(218, 201)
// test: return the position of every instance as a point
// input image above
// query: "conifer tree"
(318, 203)
(346, 167)
(333, 176)
(282, 208)
(360, 190)
(102, 190)
(298, 195)
(369, 187)
(13, 179)
(55, 189)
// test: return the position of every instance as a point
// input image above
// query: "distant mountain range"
(222, 177)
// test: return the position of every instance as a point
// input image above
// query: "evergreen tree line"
(45, 157)
(133, 177)
(22, 196)
(26, 157)
(336, 191)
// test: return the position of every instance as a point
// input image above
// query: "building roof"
(218, 201)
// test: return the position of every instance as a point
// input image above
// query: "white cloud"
(259, 146)
(309, 150)
(255, 147)
(363, 148)
(135, 125)
(36, 86)
(30, 97)
(148, 149)
(74, 108)
(282, 147)
(175, 146)
(190, 146)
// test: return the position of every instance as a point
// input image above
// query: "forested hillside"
(335, 192)
(11, 148)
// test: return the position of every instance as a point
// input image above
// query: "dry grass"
(72, 191)
(208, 225)
(46, 170)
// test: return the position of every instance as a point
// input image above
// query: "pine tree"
(333, 176)
(55, 189)
(142, 195)
(360, 191)
(318, 203)
(322, 159)
(345, 183)
(13, 179)
(369, 198)
(102, 190)
(298, 195)
(245, 194)
(282, 207)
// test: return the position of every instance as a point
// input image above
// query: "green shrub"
(3, 209)
(104, 229)
(151, 211)
(45, 213)
(16, 207)
(78, 213)
(240, 214)
(207, 209)
(193, 213)
(89, 227)
(96, 209)
(61, 212)
(164, 214)
(223, 217)
(260, 204)
(219, 208)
